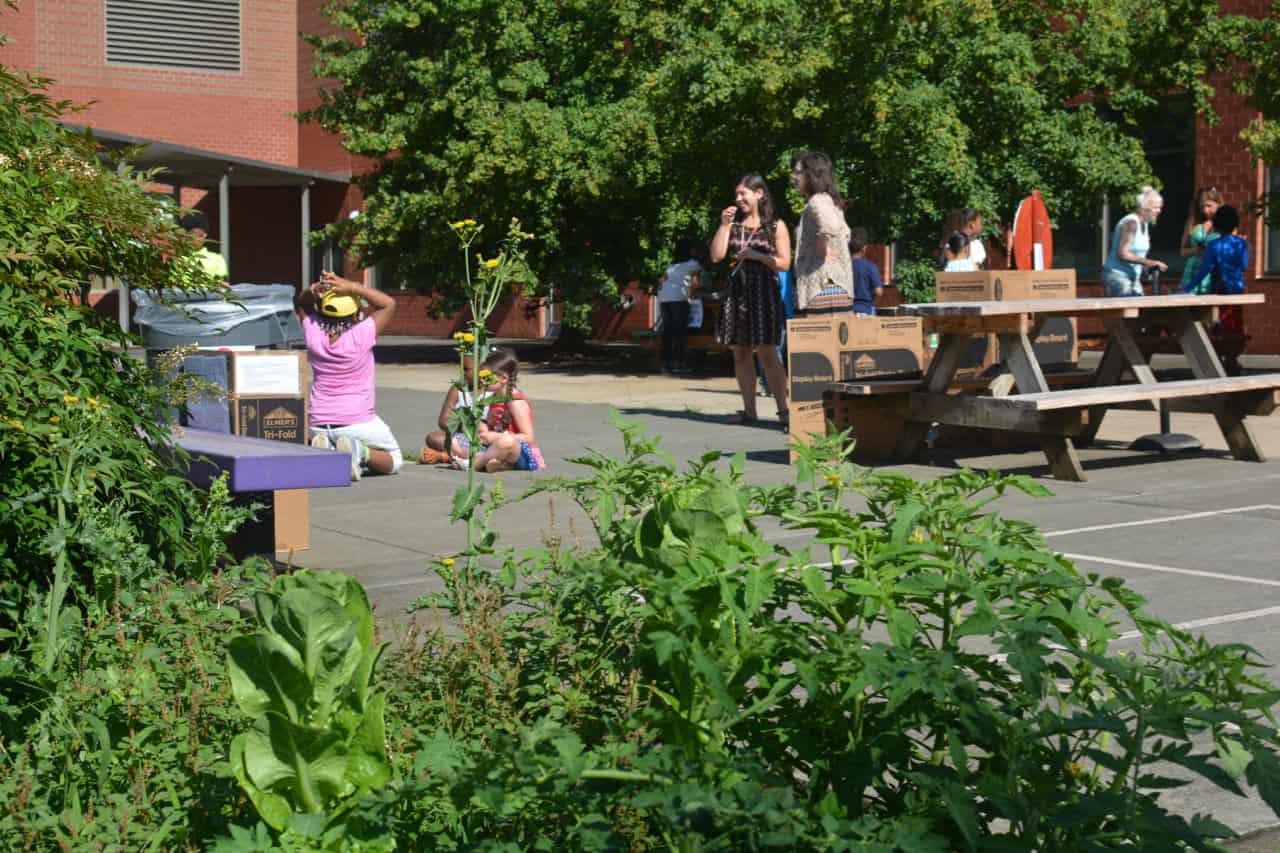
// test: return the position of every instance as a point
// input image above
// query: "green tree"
(609, 128)
(1258, 45)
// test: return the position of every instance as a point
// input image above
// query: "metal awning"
(182, 165)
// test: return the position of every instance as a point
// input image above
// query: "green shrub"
(125, 746)
(936, 678)
(914, 280)
(114, 701)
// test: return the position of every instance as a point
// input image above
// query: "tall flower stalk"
(493, 280)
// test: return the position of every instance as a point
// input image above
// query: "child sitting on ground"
(436, 451)
(867, 285)
(958, 259)
(506, 432)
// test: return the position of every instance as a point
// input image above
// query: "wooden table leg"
(1109, 371)
(1058, 450)
(1205, 364)
(942, 369)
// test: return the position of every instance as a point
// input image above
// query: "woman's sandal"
(741, 419)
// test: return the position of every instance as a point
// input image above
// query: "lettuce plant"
(317, 743)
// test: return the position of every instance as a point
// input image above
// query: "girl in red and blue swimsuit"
(506, 434)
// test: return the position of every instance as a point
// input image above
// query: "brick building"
(213, 86)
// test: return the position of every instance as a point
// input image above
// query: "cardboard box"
(249, 378)
(836, 347)
(276, 418)
(999, 285)
(1056, 343)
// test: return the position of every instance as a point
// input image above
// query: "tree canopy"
(611, 128)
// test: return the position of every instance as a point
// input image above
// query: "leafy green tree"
(611, 128)
(1258, 43)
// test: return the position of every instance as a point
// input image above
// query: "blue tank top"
(1138, 246)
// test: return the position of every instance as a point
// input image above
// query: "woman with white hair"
(1130, 242)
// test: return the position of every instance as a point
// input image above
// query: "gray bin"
(263, 316)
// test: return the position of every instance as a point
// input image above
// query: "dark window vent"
(202, 36)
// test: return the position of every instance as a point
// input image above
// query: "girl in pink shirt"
(340, 338)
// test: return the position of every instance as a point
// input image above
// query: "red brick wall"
(1223, 161)
(199, 109)
(19, 26)
(520, 318)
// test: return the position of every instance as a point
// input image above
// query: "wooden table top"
(1099, 305)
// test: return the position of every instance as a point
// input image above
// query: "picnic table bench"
(276, 474)
(1061, 416)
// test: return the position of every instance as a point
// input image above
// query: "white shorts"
(374, 433)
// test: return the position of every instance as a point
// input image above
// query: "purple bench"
(273, 473)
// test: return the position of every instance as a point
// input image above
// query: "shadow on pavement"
(765, 424)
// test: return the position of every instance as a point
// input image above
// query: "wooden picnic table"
(1061, 417)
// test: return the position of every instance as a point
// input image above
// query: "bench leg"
(1021, 358)
(1238, 435)
(1205, 364)
(941, 370)
(1062, 457)
(1109, 371)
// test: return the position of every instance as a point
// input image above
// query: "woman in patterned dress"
(753, 318)
(824, 270)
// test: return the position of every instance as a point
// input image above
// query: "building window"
(1273, 221)
(201, 35)
(1169, 144)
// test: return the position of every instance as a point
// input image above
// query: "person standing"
(1130, 243)
(1223, 266)
(212, 263)
(867, 285)
(966, 221)
(674, 292)
(824, 270)
(752, 318)
(1196, 235)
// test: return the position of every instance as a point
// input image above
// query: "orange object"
(1031, 240)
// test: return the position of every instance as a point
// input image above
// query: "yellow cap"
(338, 305)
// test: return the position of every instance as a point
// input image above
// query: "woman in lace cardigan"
(823, 268)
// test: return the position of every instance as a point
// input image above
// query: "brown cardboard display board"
(834, 347)
(276, 418)
(292, 519)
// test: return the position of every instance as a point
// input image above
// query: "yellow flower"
(492, 263)
(13, 423)
(468, 222)
(55, 419)
(832, 479)
(468, 338)
(486, 375)
(70, 399)
(446, 562)
(457, 336)
(917, 536)
(92, 401)
(459, 225)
